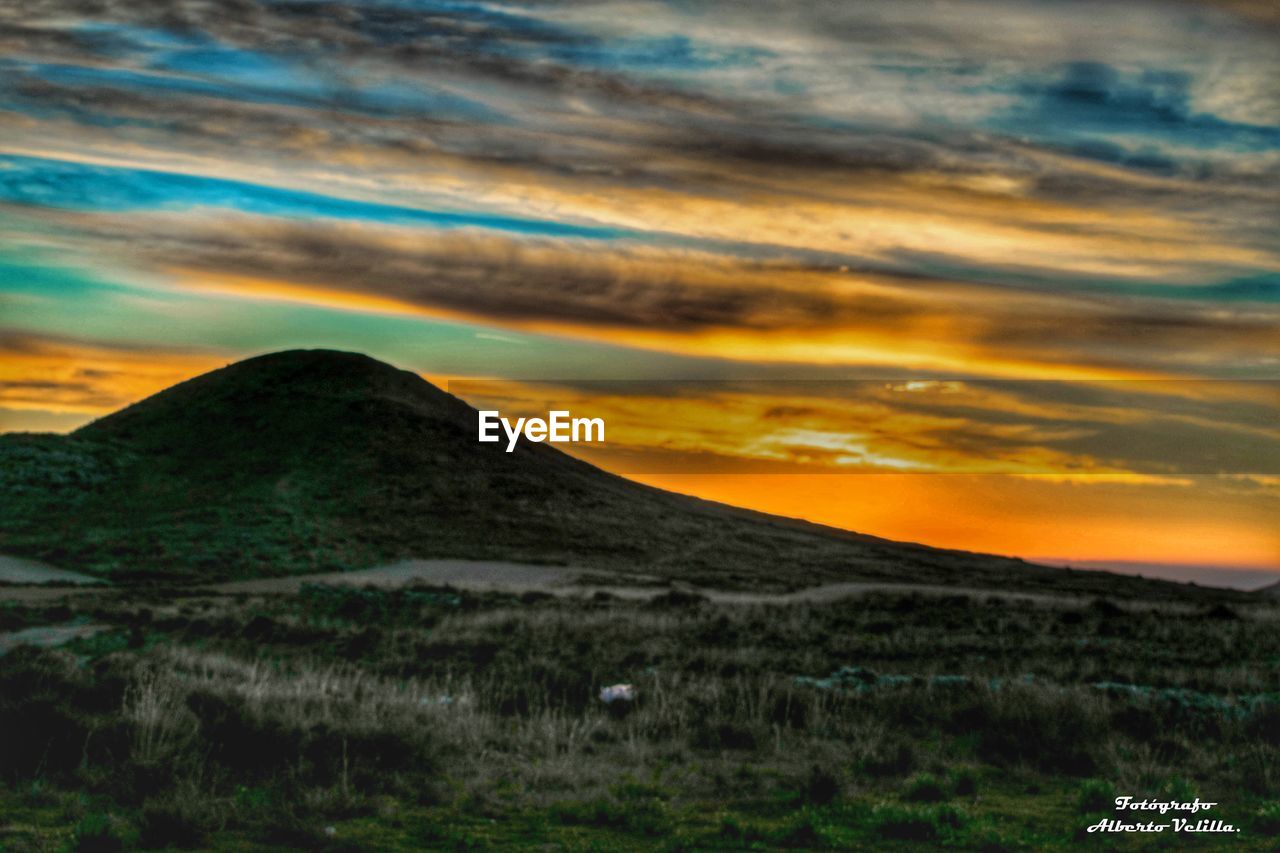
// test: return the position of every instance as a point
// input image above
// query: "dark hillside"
(316, 460)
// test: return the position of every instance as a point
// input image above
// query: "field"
(426, 716)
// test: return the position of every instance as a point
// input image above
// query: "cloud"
(685, 300)
(51, 376)
(1138, 432)
(1094, 98)
(1008, 182)
(923, 191)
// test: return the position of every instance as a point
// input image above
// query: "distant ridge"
(316, 460)
(1271, 590)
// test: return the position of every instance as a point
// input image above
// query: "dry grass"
(265, 714)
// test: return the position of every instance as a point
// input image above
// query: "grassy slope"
(259, 723)
(317, 461)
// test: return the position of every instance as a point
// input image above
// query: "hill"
(1271, 590)
(307, 461)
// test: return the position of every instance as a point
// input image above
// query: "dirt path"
(19, 570)
(47, 636)
(39, 594)
(837, 591)
(472, 574)
(485, 575)
(495, 575)
(564, 580)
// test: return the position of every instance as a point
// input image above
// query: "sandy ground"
(563, 580)
(18, 570)
(38, 594)
(46, 635)
(837, 591)
(477, 575)
(467, 574)
(470, 574)
(514, 577)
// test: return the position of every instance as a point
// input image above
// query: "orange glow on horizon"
(73, 377)
(1007, 516)
(1054, 516)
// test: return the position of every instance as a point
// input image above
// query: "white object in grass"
(618, 693)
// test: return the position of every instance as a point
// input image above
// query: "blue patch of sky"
(22, 273)
(394, 98)
(13, 99)
(505, 33)
(215, 71)
(67, 301)
(78, 186)
(1234, 286)
(1254, 288)
(142, 38)
(1089, 100)
(666, 53)
(75, 186)
(254, 75)
(124, 42)
(41, 182)
(933, 68)
(155, 82)
(251, 70)
(489, 13)
(1143, 158)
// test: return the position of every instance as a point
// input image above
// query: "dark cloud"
(630, 128)
(572, 283)
(987, 123)
(413, 40)
(510, 279)
(1096, 98)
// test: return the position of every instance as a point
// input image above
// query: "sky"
(1002, 276)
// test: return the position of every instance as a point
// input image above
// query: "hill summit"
(315, 460)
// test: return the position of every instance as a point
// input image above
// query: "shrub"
(964, 781)
(925, 788)
(171, 824)
(101, 832)
(1096, 795)
(1266, 820)
(905, 823)
(822, 787)
(806, 831)
(641, 817)
(894, 758)
(1105, 608)
(723, 735)
(1052, 730)
(1179, 788)
(55, 716)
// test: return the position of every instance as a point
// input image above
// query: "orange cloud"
(66, 376)
(1020, 517)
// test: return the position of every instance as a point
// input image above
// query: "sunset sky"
(992, 275)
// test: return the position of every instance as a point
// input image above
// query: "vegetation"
(422, 717)
(343, 718)
(313, 461)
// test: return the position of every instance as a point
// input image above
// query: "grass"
(344, 717)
